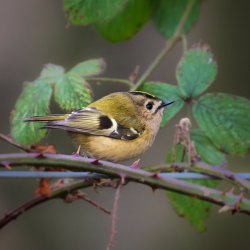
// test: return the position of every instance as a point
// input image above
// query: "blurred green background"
(33, 33)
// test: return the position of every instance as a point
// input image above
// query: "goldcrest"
(117, 127)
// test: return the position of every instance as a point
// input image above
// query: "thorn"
(154, 188)
(206, 191)
(96, 162)
(237, 204)
(226, 208)
(155, 175)
(135, 164)
(40, 156)
(77, 153)
(6, 165)
(123, 177)
(177, 169)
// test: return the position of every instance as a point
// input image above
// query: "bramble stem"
(204, 168)
(114, 170)
(192, 175)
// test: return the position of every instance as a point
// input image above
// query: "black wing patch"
(92, 121)
(105, 122)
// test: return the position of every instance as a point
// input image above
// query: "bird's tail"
(46, 118)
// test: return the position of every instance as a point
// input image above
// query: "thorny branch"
(108, 170)
(113, 170)
(59, 192)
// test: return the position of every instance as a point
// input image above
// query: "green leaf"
(128, 22)
(169, 13)
(90, 67)
(165, 91)
(72, 92)
(196, 71)
(84, 12)
(206, 149)
(225, 119)
(194, 210)
(51, 73)
(34, 100)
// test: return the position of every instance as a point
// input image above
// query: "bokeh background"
(33, 33)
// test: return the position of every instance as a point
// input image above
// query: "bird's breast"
(115, 150)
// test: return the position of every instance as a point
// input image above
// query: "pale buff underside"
(115, 150)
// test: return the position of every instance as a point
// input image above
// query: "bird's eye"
(149, 105)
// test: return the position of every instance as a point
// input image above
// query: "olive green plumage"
(117, 127)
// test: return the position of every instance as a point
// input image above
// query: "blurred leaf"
(225, 119)
(128, 22)
(51, 73)
(165, 91)
(90, 67)
(169, 13)
(34, 100)
(84, 12)
(194, 210)
(206, 149)
(196, 71)
(72, 92)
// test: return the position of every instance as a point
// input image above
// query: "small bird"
(117, 127)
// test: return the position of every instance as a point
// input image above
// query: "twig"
(10, 216)
(203, 168)
(105, 210)
(15, 144)
(57, 193)
(80, 195)
(114, 214)
(169, 45)
(116, 170)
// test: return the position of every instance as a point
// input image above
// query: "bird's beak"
(165, 103)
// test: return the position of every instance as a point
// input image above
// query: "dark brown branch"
(14, 214)
(57, 193)
(15, 144)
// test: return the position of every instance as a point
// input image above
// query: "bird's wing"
(94, 122)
